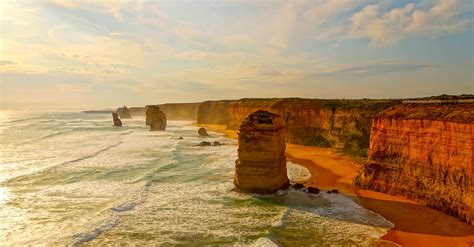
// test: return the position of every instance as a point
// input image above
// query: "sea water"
(71, 178)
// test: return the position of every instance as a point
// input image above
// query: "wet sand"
(415, 224)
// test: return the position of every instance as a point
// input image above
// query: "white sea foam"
(91, 182)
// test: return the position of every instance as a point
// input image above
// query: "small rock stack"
(155, 118)
(117, 121)
(125, 113)
(261, 166)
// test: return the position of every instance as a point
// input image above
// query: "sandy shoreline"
(415, 224)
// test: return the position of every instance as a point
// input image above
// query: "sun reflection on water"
(4, 195)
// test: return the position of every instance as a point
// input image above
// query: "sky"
(105, 53)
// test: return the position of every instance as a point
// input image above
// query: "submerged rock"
(125, 113)
(298, 186)
(313, 190)
(216, 143)
(202, 132)
(204, 144)
(335, 191)
(155, 118)
(180, 138)
(117, 121)
(261, 166)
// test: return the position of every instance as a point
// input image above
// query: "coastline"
(415, 224)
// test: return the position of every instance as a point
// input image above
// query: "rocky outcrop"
(117, 121)
(261, 166)
(155, 118)
(124, 112)
(132, 111)
(203, 132)
(214, 112)
(424, 152)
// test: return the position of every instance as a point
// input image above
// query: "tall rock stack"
(125, 113)
(117, 121)
(261, 166)
(155, 118)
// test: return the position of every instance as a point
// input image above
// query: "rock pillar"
(261, 166)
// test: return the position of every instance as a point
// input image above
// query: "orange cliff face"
(424, 152)
(341, 124)
(214, 112)
(180, 111)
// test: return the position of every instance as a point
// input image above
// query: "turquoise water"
(71, 178)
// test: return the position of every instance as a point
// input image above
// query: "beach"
(415, 224)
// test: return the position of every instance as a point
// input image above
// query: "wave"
(88, 236)
(141, 197)
(43, 137)
(126, 133)
(48, 168)
(91, 155)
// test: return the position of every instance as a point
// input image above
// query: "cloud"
(111, 7)
(282, 25)
(380, 67)
(388, 28)
(6, 62)
(329, 9)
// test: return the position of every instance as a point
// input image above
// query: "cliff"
(342, 124)
(261, 166)
(132, 111)
(180, 111)
(424, 152)
(214, 112)
(173, 111)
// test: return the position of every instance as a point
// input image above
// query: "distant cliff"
(214, 112)
(342, 124)
(180, 111)
(424, 152)
(173, 111)
(134, 111)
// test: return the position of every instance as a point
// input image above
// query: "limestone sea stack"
(117, 121)
(155, 118)
(125, 113)
(261, 163)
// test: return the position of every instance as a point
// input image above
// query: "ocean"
(71, 178)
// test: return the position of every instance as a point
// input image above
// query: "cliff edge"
(424, 151)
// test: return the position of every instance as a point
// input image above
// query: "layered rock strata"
(155, 118)
(117, 121)
(180, 111)
(341, 124)
(214, 112)
(424, 152)
(261, 163)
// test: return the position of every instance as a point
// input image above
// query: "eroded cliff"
(341, 124)
(424, 152)
(180, 111)
(214, 112)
